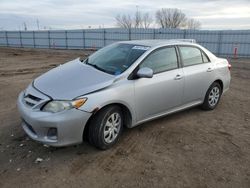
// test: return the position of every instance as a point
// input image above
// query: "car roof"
(165, 42)
(159, 42)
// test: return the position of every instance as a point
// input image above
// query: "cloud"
(64, 14)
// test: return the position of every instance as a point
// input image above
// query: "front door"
(156, 95)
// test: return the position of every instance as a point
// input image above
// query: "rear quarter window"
(205, 58)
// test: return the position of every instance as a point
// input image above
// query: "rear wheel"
(106, 127)
(212, 97)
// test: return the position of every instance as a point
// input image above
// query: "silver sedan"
(121, 85)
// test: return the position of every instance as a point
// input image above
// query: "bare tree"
(165, 17)
(170, 18)
(124, 21)
(138, 21)
(193, 24)
(146, 20)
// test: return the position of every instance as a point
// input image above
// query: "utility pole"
(25, 26)
(137, 17)
(37, 23)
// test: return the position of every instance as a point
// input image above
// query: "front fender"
(122, 93)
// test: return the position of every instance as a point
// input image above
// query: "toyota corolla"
(121, 85)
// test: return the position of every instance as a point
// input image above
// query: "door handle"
(209, 69)
(178, 77)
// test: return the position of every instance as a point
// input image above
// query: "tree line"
(164, 18)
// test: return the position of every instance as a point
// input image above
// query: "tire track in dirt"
(26, 70)
(129, 148)
(104, 160)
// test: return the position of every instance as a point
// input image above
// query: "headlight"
(58, 106)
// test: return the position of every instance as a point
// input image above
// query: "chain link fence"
(227, 43)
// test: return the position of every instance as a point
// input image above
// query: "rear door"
(198, 72)
(164, 90)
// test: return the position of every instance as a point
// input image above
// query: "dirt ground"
(193, 148)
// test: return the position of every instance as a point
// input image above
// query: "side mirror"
(145, 72)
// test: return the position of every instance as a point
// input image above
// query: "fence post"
(219, 43)
(34, 40)
(154, 33)
(104, 37)
(83, 39)
(6, 36)
(66, 39)
(49, 38)
(21, 42)
(184, 34)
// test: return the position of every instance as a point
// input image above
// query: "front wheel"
(106, 126)
(212, 97)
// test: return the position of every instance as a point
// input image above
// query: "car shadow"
(26, 151)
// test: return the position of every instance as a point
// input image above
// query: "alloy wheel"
(112, 127)
(214, 96)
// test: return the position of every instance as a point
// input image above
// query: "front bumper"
(69, 124)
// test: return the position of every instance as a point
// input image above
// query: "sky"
(82, 14)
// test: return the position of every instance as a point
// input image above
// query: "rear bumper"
(69, 124)
(226, 83)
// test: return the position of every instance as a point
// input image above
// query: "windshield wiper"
(96, 67)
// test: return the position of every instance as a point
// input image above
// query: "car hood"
(71, 80)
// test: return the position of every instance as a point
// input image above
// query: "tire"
(106, 127)
(212, 97)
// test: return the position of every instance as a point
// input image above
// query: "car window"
(190, 55)
(161, 60)
(205, 58)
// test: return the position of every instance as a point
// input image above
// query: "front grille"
(31, 100)
(34, 97)
(29, 103)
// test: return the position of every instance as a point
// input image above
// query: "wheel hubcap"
(214, 96)
(112, 127)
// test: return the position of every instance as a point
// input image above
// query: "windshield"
(116, 58)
